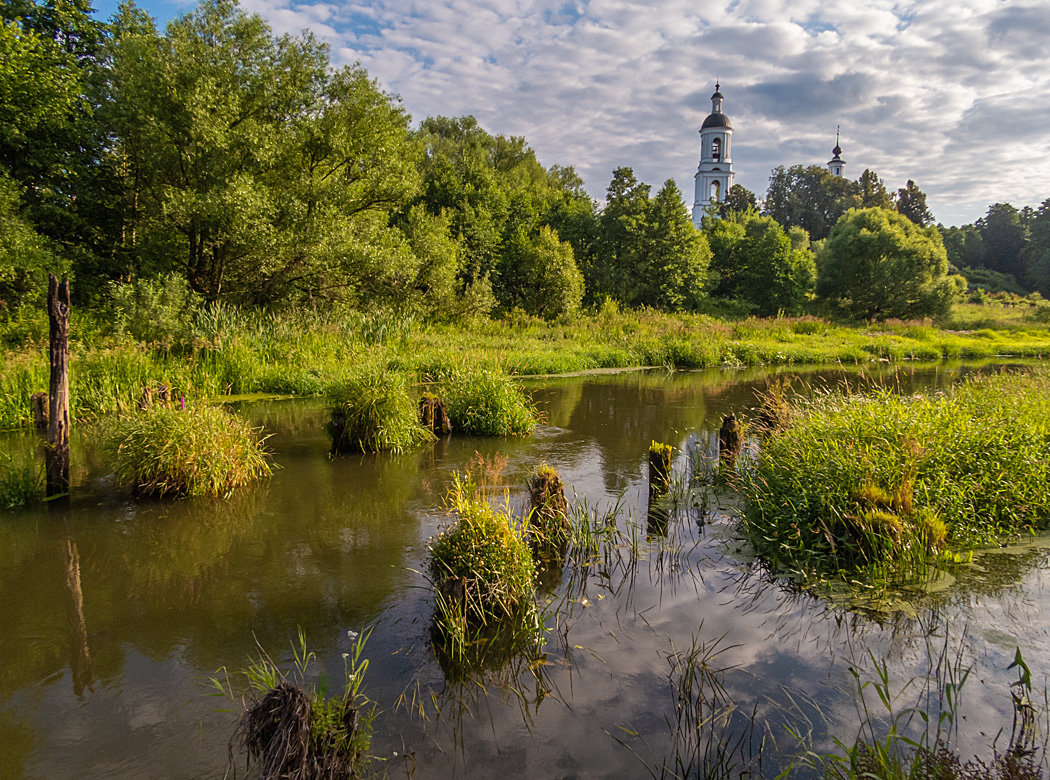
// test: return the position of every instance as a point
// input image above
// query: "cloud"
(919, 87)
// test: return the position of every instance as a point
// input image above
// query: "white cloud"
(953, 95)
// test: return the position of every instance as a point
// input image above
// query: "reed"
(165, 451)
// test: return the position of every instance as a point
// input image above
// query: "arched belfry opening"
(715, 174)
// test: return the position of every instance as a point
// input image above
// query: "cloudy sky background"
(954, 94)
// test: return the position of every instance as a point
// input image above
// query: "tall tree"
(1004, 239)
(873, 193)
(622, 234)
(676, 255)
(809, 197)
(911, 202)
(1037, 252)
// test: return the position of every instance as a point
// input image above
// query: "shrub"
(199, 451)
(372, 411)
(482, 566)
(485, 402)
(883, 481)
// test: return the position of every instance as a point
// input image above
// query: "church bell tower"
(836, 164)
(714, 177)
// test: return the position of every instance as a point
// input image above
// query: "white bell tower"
(714, 177)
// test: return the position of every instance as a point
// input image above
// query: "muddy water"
(114, 614)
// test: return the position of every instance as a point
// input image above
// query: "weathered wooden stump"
(730, 440)
(57, 459)
(660, 456)
(433, 416)
(549, 513)
(38, 404)
(146, 399)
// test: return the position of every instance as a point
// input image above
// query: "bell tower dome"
(715, 175)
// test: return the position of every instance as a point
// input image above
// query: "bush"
(373, 412)
(883, 482)
(199, 451)
(157, 312)
(484, 558)
(485, 402)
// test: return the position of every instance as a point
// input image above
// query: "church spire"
(836, 164)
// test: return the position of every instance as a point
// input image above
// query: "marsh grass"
(200, 451)
(883, 483)
(372, 411)
(291, 726)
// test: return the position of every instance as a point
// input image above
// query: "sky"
(954, 94)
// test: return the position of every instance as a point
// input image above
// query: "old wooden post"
(729, 441)
(58, 395)
(38, 405)
(659, 468)
(433, 416)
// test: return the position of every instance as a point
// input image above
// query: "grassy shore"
(303, 353)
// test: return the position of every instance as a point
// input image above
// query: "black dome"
(716, 120)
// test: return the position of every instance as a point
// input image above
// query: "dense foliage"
(878, 264)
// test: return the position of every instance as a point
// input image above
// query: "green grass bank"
(224, 351)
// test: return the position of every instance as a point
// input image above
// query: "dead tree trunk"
(433, 416)
(58, 395)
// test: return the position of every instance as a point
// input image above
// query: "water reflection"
(115, 611)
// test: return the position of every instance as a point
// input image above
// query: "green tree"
(547, 282)
(622, 233)
(1004, 239)
(738, 198)
(1037, 252)
(911, 202)
(878, 263)
(25, 258)
(809, 197)
(964, 246)
(873, 193)
(676, 255)
(255, 169)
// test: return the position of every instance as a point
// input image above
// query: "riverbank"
(225, 351)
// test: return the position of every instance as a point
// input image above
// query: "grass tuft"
(200, 451)
(21, 481)
(372, 411)
(485, 402)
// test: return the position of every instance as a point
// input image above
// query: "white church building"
(715, 174)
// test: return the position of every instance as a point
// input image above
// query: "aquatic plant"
(372, 411)
(21, 481)
(484, 401)
(481, 566)
(197, 451)
(884, 482)
(292, 728)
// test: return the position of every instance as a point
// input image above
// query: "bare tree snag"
(730, 441)
(58, 395)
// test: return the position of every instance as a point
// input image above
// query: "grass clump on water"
(481, 566)
(884, 482)
(293, 729)
(485, 402)
(165, 451)
(372, 411)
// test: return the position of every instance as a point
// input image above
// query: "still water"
(114, 613)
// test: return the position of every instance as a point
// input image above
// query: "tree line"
(247, 167)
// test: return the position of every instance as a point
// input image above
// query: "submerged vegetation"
(296, 729)
(885, 482)
(21, 480)
(197, 451)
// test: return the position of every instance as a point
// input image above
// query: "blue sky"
(954, 94)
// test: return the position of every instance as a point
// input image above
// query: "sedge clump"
(165, 451)
(372, 411)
